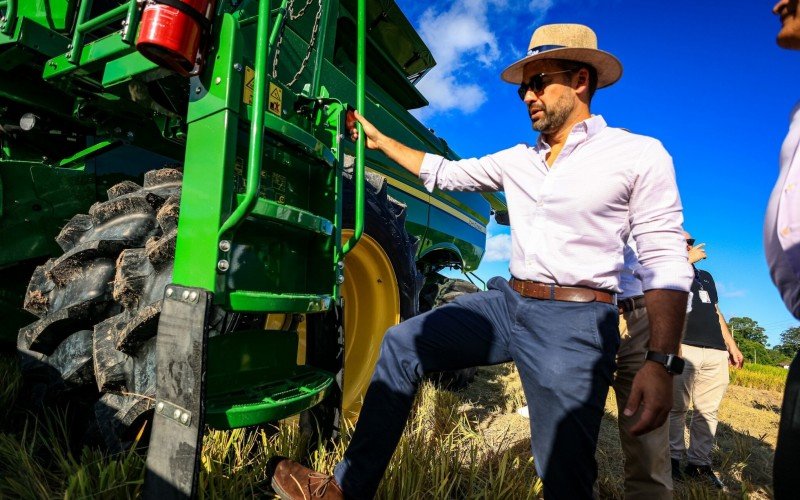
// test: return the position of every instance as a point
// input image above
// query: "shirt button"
(789, 188)
(539, 203)
(785, 231)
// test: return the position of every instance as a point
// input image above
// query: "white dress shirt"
(570, 222)
(782, 223)
(629, 282)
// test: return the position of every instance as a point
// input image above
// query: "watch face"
(675, 365)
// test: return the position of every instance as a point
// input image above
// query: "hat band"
(544, 48)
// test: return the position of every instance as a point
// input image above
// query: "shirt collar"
(581, 131)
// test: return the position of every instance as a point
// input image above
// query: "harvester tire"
(98, 306)
(437, 292)
(384, 222)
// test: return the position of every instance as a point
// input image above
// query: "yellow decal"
(249, 76)
(275, 98)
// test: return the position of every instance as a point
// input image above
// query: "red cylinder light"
(170, 37)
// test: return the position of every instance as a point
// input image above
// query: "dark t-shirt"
(702, 328)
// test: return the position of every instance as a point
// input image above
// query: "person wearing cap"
(573, 196)
(708, 348)
(782, 247)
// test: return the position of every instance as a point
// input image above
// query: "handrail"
(127, 11)
(7, 25)
(358, 177)
(255, 148)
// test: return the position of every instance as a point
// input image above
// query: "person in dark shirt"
(707, 347)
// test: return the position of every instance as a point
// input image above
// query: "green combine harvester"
(188, 236)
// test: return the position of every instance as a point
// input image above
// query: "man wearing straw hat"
(573, 196)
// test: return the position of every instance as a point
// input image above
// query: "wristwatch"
(672, 362)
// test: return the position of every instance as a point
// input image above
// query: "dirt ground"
(743, 455)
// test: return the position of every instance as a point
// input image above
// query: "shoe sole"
(279, 491)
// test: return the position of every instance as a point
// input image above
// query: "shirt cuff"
(429, 170)
(671, 276)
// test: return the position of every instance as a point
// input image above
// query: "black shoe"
(677, 475)
(703, 472)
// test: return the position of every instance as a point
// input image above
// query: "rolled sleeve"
(473, 174)
(656, 218)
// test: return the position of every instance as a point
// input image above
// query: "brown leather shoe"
(292, 481)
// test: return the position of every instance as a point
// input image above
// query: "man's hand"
(735, 357)
(651, 397)
(372, 133)
(408, 158)
(697, 253)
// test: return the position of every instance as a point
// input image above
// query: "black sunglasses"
(690, 242)
(536, 83)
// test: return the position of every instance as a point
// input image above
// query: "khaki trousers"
(703, 383)
(648, 472)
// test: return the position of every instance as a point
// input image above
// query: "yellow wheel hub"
(371, 305)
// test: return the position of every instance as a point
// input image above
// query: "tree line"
(752, 341)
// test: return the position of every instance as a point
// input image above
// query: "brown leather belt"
(545, 291)
(631, 303)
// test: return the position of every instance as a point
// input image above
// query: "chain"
(311, 43)
(295, 17)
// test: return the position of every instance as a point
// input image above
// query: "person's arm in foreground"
(656, 218)
(408, 158)
(735, 357)
(471, 174)
(652, 385)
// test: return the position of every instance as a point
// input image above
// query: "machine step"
(254, 379)
(287, 214)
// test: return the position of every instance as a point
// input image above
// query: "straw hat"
(571, 42)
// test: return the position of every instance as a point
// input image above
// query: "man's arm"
(652, 385)
(408, 158)
(735, 357)
(472, 174)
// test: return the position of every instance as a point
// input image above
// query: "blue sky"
(705, 78)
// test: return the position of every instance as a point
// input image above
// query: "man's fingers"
(700, 246)
(634, 400)
(650, 420)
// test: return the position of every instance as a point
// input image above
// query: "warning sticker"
(249, 77)
(275, 98)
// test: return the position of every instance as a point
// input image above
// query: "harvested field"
(469, 444)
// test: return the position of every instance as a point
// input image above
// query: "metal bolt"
(160, 407)
(218, 80)
(340, 264)
(340, 279)
(170, 291)
(224, 245)
(198, 89)
(124, 22)
(176, 414)
(193, 296)
(185, 294)
(185, 418)
(130, 135)
(238, 67)
(223, 265)
(69, 46)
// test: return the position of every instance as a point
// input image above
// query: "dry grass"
(458, 445)
(756, 376)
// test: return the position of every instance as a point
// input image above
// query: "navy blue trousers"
(564, 352)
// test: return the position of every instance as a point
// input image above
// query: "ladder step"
(250, 301)
(287, 214)
(268, 402)
(254, 379)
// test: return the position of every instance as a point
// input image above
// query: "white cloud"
(498, 248)
(730, 292)
(464, 40)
